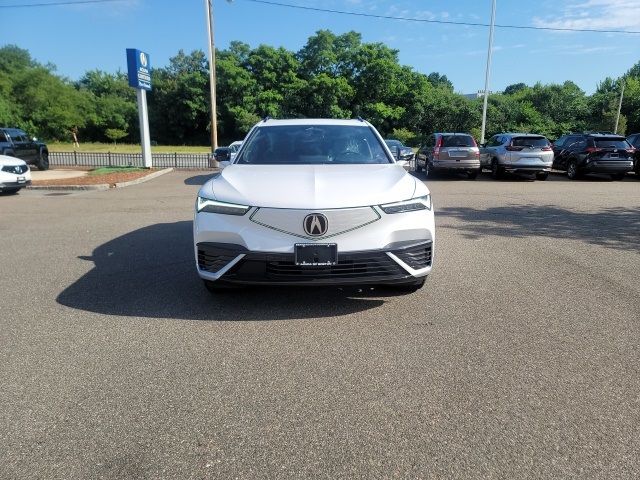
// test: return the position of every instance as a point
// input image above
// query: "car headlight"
(415, 204)
(204, 204)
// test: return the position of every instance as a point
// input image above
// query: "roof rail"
(266, 118)
(360, 118)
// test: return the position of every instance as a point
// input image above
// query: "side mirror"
(34, 139)
(224, 164)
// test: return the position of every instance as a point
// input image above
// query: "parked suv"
(452, 152)
(16, 143)
(582, 153)
(634, 140)
(517, 153)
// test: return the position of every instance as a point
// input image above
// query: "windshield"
(612, 143)
(530, 142)
(313, 145)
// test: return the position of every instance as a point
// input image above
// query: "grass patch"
(107, 170)
(125, 148)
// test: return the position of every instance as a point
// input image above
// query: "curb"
(101, 186)
(146, 178)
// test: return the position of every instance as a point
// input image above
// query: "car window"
(313, 145)
(493, 141)
(571, 141)
(394, 143)
(3, 137)
(611, 143)
(458, 141)
(580, 144)
(561, 141)
(530, 142)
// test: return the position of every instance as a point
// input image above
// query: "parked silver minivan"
(449, 152)
(518, 153)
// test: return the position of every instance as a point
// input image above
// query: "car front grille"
(17, 169)
(417, 256)
(354, 266)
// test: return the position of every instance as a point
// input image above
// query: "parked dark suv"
(16, 143)
(582, 153)
(634, 140)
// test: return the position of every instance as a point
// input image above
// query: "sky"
(78, 38)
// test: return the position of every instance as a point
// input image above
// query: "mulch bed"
(109, 178)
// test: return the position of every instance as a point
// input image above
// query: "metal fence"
(109, 159)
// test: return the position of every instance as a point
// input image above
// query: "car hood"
(11, 161)
(313, 186)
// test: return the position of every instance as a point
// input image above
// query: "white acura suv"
(313, 202)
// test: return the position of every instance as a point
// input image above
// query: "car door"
(563, 151)
(20, 147)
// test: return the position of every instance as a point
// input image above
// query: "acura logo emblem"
(315, 224)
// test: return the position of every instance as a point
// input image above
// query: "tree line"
(335, 76)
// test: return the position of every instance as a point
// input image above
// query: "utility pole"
(487, 73)
(620, 105)
(212, 74)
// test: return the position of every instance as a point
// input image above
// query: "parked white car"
(314, 202)
(14, 174)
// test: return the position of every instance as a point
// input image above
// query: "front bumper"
(12, 185)
(398, 263)
(259, 247)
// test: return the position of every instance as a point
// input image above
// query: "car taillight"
(631, 150)
(474, 142)
(592, 149)
(436, 151)
(547, 148)
(511, 148)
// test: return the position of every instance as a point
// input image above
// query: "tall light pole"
(620, 105)
(487, 73)
(212, 74)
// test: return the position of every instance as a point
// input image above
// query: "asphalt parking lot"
(519, 359)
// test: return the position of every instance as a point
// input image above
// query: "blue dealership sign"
(139, 69)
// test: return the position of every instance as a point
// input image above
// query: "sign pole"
(139, 74)
(143, 116)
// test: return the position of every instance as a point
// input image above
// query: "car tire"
(542, 176)
(473, 174)
(219, 287)
(497, 172)
(572, 170)
(43, 161)
(408, 287)
(617, 176)
(427, 171)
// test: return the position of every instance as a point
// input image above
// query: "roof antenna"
(360, 118)
(266, 118)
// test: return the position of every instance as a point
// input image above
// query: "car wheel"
(496, 171)
(542, 176)
(572, 170)
(472, 174)
(43, 161)
(617, 176)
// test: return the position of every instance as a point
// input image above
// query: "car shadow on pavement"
(616, 228)
(150, 272)
(198, 179)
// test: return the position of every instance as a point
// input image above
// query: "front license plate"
(316, 254)
(22, 180)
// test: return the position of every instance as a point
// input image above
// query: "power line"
(445, 22)
(55, 4)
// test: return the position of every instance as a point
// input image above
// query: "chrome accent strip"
(412, 271)
(222, 271)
